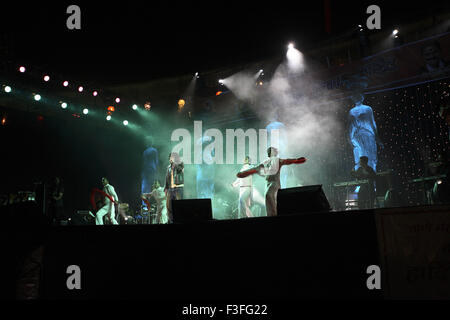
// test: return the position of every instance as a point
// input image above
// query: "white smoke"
(295, 99)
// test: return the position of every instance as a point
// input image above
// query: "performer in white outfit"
(160, 197)
(108, 208)
(245, 191)
(270, 168)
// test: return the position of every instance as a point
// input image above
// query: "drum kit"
(124, 217)
(141, 216)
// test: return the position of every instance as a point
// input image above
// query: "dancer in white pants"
(270, 168)
(245, 191)
(108, 208)
(160, 197)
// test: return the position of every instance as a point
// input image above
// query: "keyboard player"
(366, 194)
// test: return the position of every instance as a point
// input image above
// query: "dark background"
(134, 41)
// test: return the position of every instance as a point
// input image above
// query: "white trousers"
(271, 200)
(245, 199)
(104, 211)
(162, 212)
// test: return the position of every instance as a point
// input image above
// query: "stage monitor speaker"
(302, 200)
(82, 218)
(191, 210)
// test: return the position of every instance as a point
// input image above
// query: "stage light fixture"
(22, 69)
(37, 97)
(111, 109)
(221, 81)
(134, 107)
(66, 83)
(125, 122)
(196, 75)
(80, 89)
(95, 93)
(63, 105)
(291, 46)
(117, 100)
(295, 59)
(395, 32)
(7, 89)
(46, 78)
(181, 104)
(108, 117)
(147, 106)
(85, 111)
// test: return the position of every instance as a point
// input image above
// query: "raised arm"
(248, 172)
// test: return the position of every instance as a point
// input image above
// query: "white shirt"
(271, 170)
(109, 189)
(159, 195)
(244, 182)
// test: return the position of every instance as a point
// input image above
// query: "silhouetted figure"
(366, 194)
(174, 184)
(55, 202)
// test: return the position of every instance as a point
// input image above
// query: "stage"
(306, 256)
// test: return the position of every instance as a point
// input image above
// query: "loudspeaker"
(302, 200)
(82, 217)
(191, 210)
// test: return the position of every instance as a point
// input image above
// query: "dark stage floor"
(316, 255)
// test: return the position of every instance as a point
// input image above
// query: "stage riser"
(311, 256)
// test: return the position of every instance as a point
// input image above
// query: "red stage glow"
(111, 109)
(218, 93)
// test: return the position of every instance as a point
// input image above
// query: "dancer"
(108, 208)
(245, 191)
(174, 182)
(161, 207)
(270, 168)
